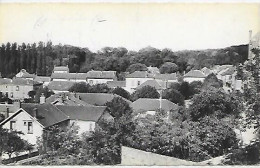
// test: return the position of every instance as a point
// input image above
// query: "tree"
(82, 87)
(136, 67)
(45, 91)
(145, 92)
(121, 92)
(212, 81)
(195, 87)
(168, 67)
(174, 96)
(214, 102)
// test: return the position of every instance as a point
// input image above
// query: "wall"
(132, 83)
(98, 81)
(189, 79)
(20, 119)
(21, 93)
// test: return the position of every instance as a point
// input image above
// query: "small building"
(144, 106)
(61, 69)
(194, 75)
(33, 119)
(100, 77)
(25, 75)
(136, 78)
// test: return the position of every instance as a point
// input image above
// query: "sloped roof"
(148, 104)
(139, 74)
(98, 99)
(48, 113)
(206, 71)
(152, 83)
(21, 81)
(60, 85)
(113, 84)
(166, 77)
(69, 76)
(195, 74)
(229, 71)
(5, 81)
(101, 74)
(85, 113)
(42, 79)
(24, 74)
(61, 68)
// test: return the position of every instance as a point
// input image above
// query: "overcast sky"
(134, 26)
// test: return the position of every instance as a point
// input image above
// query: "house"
(4, 83)
(153, 83)
(25, 75)
(227, 76)
(100, 77)
(194, 75)
(136, 78)
(18, 88)
(33, 119)
(115, 84)
(150, 106)
(60, 86)
(61, 69)
(97, 99)
(45, 80)
(73, 77)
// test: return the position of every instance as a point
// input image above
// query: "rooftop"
(147, 104)
(139, 74)
(101, 74)
(60, 85)
(61, 68)
(195, 74)
(166, 77)
(114, 84)
(152, 83)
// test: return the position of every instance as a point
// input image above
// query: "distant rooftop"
(101, 74)
(60, 85)
(61, 68)
(139, 74)
(195, 74)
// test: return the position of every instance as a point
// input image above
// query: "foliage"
(214, 102)
(212, 81)
(83, 87)
(145, 92)
(11, 142)
(45, 91)
(121, 92)
(174, 96)
(195, 87)
(168, 67)
(136, 67)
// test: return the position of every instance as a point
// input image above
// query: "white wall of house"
(21, 124)
(84, 125)
(19, 91)
(60, 71)
(78, 80)
(191, 79)
(98, 81)
(54, 79)
(132, 83)
(3, 88)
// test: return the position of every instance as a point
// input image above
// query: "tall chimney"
(7, 112)
(35, 112)
(249, 45)
(42, 99)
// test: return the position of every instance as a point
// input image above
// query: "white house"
(136, 78)
(194, 75)
(100, 77)
(33, 119)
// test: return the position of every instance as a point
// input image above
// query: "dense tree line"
(40, 58)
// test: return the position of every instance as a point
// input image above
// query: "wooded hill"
(40, 58)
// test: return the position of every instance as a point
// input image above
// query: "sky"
(177, 26)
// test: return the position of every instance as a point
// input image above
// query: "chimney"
(7, 112)
(250, 36)
(42, 99)
(35, 112)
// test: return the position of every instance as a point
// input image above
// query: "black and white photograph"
(142, 83)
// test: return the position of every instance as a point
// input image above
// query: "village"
(86, 100)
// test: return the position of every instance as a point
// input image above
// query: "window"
(138, 83)
(30, 127)
(91, 82)
(12, 125)
(17, 88)
(24, 123)
(11, 95)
